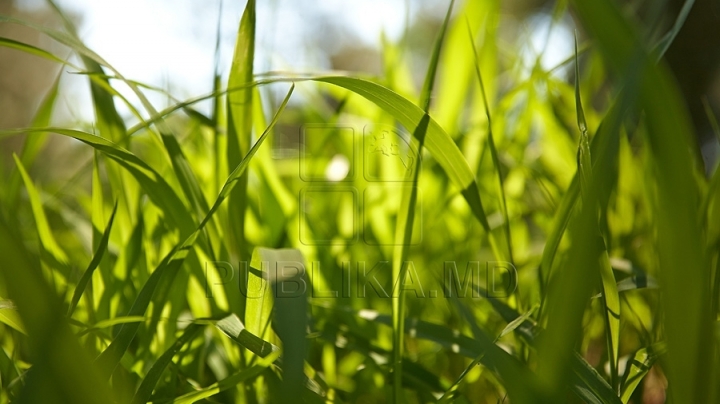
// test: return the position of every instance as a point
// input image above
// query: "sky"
(171, 43)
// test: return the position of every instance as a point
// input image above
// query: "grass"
(192, 264)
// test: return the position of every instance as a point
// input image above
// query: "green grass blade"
(33, 50)
(43, 227)
(239, 110)
(683, 264)
(664, 44)
(286, 267)
(87, 275)
(234, 328)
(611, 300)
(406, 215)
(144, 391)
(493, 150)
(9, 316)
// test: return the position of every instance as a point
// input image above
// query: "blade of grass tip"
(684, 267)
(239, 126)
(45, 234)
(406, 215)
(610, 298)
(493, 149)
(236, 331)
(87, 275)
(111, 356)
(144, 391)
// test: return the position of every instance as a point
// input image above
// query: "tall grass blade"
(87, 275)
(406, 215)
(683, 265)
(239, 110)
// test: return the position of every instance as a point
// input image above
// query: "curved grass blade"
(437, 141)
(87, 275)
(186, 177)
(143, 393)
(664, 44)
(152, 182)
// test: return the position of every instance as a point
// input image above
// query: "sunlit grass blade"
(440, 145)
(234, 328)
(87, 275)
(239, 121)
(493, 150)
(9, 316)
(144, 391)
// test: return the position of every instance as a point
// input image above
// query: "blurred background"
(171, 44)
